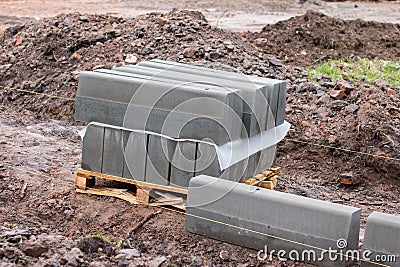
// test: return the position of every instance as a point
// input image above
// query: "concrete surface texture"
(382, 240)
(279, 216)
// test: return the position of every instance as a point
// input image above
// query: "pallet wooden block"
(266, 179)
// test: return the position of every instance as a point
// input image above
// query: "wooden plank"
(168, 199)
(142, 196)
(266, 179)
(111, 192)
(130, 181)
(271, 171)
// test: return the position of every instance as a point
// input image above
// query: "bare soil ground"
(45, 223)
(314, 37)
(239, 15)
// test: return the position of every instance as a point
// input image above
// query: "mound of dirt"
(313, 37)
(46, 56)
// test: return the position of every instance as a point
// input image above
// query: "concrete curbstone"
(113, 152)
(92, 148)
(183, 164)
(159, 155)
(135, 151)
(382, 240)
(287, 216)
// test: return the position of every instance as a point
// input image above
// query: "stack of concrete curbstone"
(145, 113)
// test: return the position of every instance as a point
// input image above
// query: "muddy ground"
(46, 223)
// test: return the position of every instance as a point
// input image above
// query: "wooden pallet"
(85, 183)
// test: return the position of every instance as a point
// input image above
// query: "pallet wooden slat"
(140, 184)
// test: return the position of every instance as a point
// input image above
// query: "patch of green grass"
(106, 239)
(356, 69)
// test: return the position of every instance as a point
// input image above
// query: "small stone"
(156, 261)
(75, 56)
(320, 91)
(54, 263)
(73, 258)
(68, 22)
(69, 212)
(347, 174)
(326, 84)
(162, 21)
(98, 264)
(11, 233)
(189, 52)
(8, 264)
(275, 62)
(261, 42)
(337, 94)
(323, 99)
(4, 68)
(130, 253)
(123, 262)
(322, 112)
(77, 252)
(391, 91)
(51, 201)
(131, 59)
(34, 248)
(224, 255)
(345, 87)
(337, 104)
(197, 262)
(98, 67)
(352, 108)
(83, 18)
(147, 51)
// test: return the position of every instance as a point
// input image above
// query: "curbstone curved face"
(382, 240)
(280, 216)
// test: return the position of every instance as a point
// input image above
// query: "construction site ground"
(43, 220)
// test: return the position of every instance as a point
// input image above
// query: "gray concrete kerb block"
(382, 240)
(138, 103)
(303, 220)
(278, 87)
